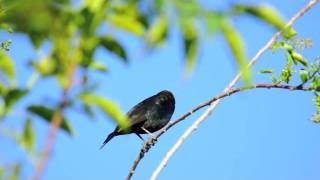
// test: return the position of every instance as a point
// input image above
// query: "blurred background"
(92, 61)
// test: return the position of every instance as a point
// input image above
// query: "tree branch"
(213, 105)
(56, 121)
(214, 102)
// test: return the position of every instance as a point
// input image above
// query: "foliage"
(76, 32)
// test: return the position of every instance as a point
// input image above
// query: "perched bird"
(148, 116)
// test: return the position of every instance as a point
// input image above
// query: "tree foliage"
(75, 31)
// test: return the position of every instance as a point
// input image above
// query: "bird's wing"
(137, 114)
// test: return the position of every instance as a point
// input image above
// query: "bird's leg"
(140, 137)
(152, 135)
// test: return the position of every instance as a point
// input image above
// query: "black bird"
(148, 116)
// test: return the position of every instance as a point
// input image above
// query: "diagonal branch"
(213, 103)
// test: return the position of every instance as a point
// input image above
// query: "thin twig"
(212, 106)
(145, 148)
(56, 121)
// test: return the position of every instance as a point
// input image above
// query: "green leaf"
(266, 71)
(47, 113)
(298, 57)
(28, 135)
(16, 172)
(98, 67)
(274, 79)
(5, 45)
(7, 66)
(112, 45)
(46, 66)
(212, 22)
(191, 43)
(108, 107)
(236, 46)
(12, 96)
(158, 31)
(304, 76)
(315, 84)
(268, 14)
(127, 23)
(316, 118)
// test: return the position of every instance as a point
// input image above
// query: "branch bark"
(213, 102)
(56, 121)
(213, 105)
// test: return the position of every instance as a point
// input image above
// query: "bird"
(148, 116)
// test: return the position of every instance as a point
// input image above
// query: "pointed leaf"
(12, 96)
(108, 107)
(47, 113)
(267, 14)
(191, 43)
(28, 135)
(7, 66)
(127, 23)
(112, 45)
(158, 31)
(236, 46)
(98, 67)
(304, 76)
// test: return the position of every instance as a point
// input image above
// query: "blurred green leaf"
(98, 67)
(127, 23)
(7, 66)
(5, 45)
(113, 46)
(28, 135)
(12, 96)
(88, 111)
(212, 22)
(315, 83)
(236, 46)
(286, 73)
(47, 113)
(46, 66)
(158, 31)
(266, 71)
(299, 58)
(267, 14)
(108, 107)
(191, 43)
(304, 76)
(316, 118)
(15, 172)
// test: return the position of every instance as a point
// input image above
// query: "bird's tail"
(110, 136)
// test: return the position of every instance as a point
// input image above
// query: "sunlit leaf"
(267, 14)
(108, 107)
(212, 22)
(236, 46)
(298, 57)
(158, 31)
(304, 76)
(28, 135)
(316, 117)
(266, 71)
(45, 66)
(7, 66)
(47, 113)
(113, 46)
(191, 43)
(127, 23)
(315, 83)
(98, 67)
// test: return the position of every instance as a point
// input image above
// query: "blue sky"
(258, 134)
